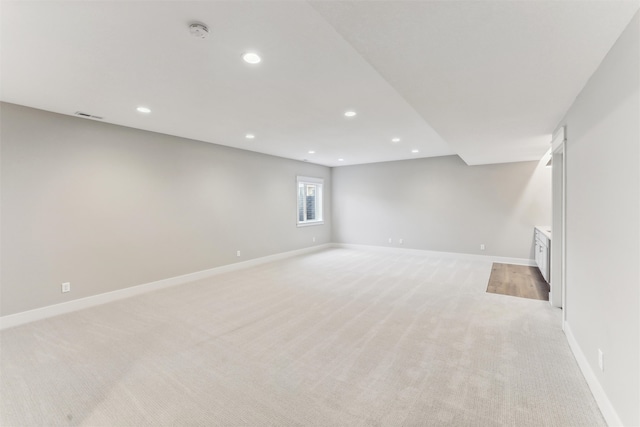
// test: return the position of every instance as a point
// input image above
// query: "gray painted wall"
(107, 207)
(442, 204)
(603, 222)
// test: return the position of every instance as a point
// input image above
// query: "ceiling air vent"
(87, 116)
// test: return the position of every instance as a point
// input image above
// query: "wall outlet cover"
(601, 360)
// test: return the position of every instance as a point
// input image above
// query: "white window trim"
(319, 201)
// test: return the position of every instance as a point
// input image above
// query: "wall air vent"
(87, 116)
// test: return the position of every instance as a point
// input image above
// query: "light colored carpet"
(341, 337)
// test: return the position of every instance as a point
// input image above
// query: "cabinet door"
(544, 267)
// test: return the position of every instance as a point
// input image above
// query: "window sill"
(308, 224)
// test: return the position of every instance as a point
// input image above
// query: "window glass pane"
(301, 202)
(311, 202)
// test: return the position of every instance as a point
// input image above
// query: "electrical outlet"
(66, 287)
(238, 253)
(313, 239)
(482, 247)
(390, 240)
(401, 241)
(601, 360)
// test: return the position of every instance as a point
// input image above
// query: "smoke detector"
(199, 30)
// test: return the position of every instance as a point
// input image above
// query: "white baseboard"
(490, 258)
(608, 411)
(17, 319)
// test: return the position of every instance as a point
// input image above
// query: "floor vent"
(88, 116)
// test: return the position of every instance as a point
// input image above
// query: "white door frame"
(558, 150)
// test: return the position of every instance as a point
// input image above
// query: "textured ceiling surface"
(487, 80)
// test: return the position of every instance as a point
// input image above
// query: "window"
(309, 201)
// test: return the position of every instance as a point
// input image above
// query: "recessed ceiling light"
(312, 152)
(341, 160)
(251, 58)
(415, 151)
(350, 114)
(249, 136)
(395, 140)
(143, 110)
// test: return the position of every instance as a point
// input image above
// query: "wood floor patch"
(518, 281)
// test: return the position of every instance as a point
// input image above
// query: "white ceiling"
(487, 80)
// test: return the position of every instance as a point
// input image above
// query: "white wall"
(603, 225)
(107, 207)
(442, 204)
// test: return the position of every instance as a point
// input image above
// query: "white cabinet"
(542, 252)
